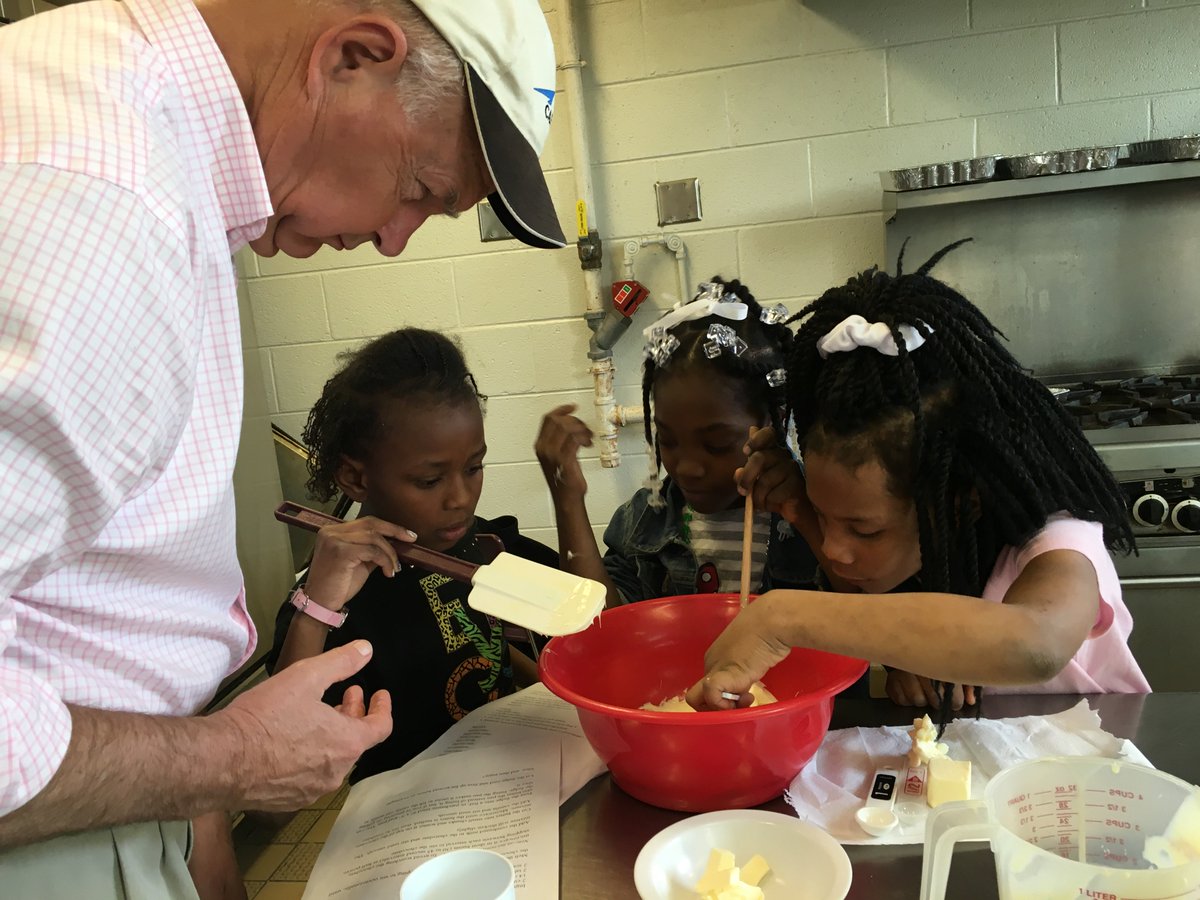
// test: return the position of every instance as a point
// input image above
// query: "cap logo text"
(549, 95)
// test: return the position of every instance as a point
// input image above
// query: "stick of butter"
(925, 744)
(949, 779)
(723, 880)
(755, 870)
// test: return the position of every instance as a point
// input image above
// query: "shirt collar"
(179, 32)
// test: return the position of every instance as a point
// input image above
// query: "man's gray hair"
(432, 77)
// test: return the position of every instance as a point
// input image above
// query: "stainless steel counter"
(603, 828)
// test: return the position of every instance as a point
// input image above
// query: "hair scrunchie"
(855, 331)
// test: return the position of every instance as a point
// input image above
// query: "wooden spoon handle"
(747, 548)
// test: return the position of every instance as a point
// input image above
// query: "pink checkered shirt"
(128, 175)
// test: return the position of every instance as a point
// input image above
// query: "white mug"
(472, 874)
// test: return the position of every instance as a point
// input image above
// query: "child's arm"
(557, 449)
(1045, 617)
(213, 864)
(343, 557)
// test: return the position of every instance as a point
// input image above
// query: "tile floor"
(277, 860)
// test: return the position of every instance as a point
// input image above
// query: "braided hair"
(767, 347)
(955, 420)
(410, 364)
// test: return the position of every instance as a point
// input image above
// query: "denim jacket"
(647, 556)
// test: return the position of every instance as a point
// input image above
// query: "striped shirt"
(716, 540)
(128, 175)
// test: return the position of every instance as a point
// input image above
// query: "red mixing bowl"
(648, 651)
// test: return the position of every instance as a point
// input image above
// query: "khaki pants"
(146, 861)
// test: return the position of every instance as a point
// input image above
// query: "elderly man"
(140, 144)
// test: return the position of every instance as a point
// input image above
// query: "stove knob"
(1150, 510)
(1186, 515)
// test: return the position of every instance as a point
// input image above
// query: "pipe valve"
(627, 296)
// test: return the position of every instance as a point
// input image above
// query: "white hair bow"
(710, 302)
(855, 331)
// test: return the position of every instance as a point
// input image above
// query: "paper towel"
(835, 783)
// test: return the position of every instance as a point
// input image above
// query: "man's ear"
(351, 477)
(369, 44)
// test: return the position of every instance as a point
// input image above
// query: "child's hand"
(906, 689)
(346, 554)
(740, 656)
(771, 474)
(557, 449)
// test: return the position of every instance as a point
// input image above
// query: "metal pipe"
(581, 162)
(603, 398)
(628, 415)
(673, 244)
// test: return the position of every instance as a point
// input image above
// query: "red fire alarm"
(628, 296)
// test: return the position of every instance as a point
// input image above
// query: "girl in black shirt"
(399, 429)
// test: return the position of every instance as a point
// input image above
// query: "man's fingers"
(352, 702)
(378, 717)
(333, 666)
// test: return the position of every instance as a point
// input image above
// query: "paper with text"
(525, 715)
(502, 798)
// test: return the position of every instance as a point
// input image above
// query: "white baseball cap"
(509, 58)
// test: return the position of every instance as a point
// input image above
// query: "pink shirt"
(1104, 664)
(128, 175)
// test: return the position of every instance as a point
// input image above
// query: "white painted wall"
(786, 111)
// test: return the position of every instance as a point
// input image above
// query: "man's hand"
(347, 553)
(557, 449)
(740, 656)
(294, 747)
(906, 689)
(770, 474)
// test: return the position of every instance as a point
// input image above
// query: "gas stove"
(1146, 428)
(1144, 401)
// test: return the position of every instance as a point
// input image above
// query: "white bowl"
(805, 861)
(470, 874)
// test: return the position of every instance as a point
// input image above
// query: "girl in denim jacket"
(714, 370)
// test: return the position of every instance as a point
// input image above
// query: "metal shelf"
(894, 201)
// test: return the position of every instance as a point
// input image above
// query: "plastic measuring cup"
(1068, 827)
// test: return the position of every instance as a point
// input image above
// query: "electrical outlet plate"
(490, 227)
(678, 201)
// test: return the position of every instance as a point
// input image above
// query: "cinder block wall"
(786, 111)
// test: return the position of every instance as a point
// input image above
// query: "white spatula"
(511, 588)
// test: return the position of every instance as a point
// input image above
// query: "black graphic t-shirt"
(438, 657)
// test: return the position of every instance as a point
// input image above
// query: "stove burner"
(1133, 402)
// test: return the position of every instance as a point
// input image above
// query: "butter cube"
(739, 890)
(719, 872)
(754, 871)
(721, 859)
(949, 779)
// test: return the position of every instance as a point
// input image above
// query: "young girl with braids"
(713, 370)
(400, 430)
(961, 517)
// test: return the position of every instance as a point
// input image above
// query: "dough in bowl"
(758, 691)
